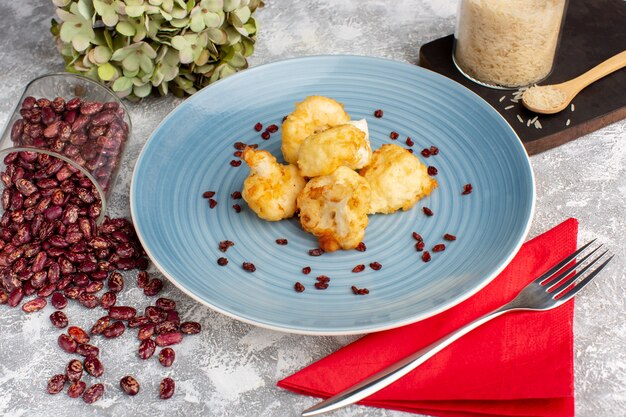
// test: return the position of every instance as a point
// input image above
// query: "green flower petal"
(125, 28)
(101, 54)
(135, 11)
(122, 84)
(179, 42)
(131, 62)
(107, 72)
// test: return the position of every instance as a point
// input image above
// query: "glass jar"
(74, 119)
(507, 43)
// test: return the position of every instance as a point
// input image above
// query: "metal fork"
(550, 290)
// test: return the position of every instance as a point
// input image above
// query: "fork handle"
(396, 371)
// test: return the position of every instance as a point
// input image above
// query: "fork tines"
(569, 276)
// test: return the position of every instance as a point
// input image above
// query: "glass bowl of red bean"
(63, 145)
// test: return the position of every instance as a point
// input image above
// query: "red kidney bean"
(114, 330)
(167, 356)
(173, 316)
(94, 287)
(67, 343)
(59, 319)
(122, 312)
(76, 389)
(78, 334)
(166, 304)
(108, 300)
(190, 327)
(74, 370)
(56, 384)
(146, 349)
(93, 393)
(129, 385)
(88, 300)
(100, 325)
(166, 388)
(115, 282)
(146, 331)
(142, 279)
(153, 287)
(15, 297)
(85, 349)
(34, 305)
(166, 327)
(138, 321)
(168, 339)
(155, 314)
(93, 366)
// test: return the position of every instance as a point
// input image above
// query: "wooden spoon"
(550, 99)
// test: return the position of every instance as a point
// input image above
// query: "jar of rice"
(507, 43)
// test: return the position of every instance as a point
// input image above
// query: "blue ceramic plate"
(191, 150)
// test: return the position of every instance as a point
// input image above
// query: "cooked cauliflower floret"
(271, 189)
(397, 179)
(345, 145)
(334, 208)
(314, 114)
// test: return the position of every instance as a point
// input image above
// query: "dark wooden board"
(593, 31)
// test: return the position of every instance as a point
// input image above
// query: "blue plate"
(191, 150)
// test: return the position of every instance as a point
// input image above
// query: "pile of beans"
(52, 249)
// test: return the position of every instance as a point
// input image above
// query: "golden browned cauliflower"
(397, 179)
(314, 114)
(334, 208)
(271, 189)
(344, 145)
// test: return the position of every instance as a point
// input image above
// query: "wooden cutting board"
(593, 31)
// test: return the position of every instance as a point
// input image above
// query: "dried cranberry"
(208, 194)
(425, 152)
(225, 244)
(419, 246)
(235, 195)
(265, 135)
(361, 247)
(240, 145)
(222, 261)
(378, 113)
(434, 150)
(360, 291)
(439, 247)
(394, 135)
(212, 203)
(298, 287)
(426, 256)
(427, 211)
(376, 266)
(417, 237)
(316, 252)
(358, 268)
(237, 208)
(432, 171)
(248, 266)
(306, 270)
(409, 142)
(235, 163)
(467, 189)
(281, 241)
(258, 127)
(449, 237)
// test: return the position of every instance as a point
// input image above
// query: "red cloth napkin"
(519, 364)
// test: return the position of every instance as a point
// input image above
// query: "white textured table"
(231, 368)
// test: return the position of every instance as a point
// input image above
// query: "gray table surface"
(231, 368)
